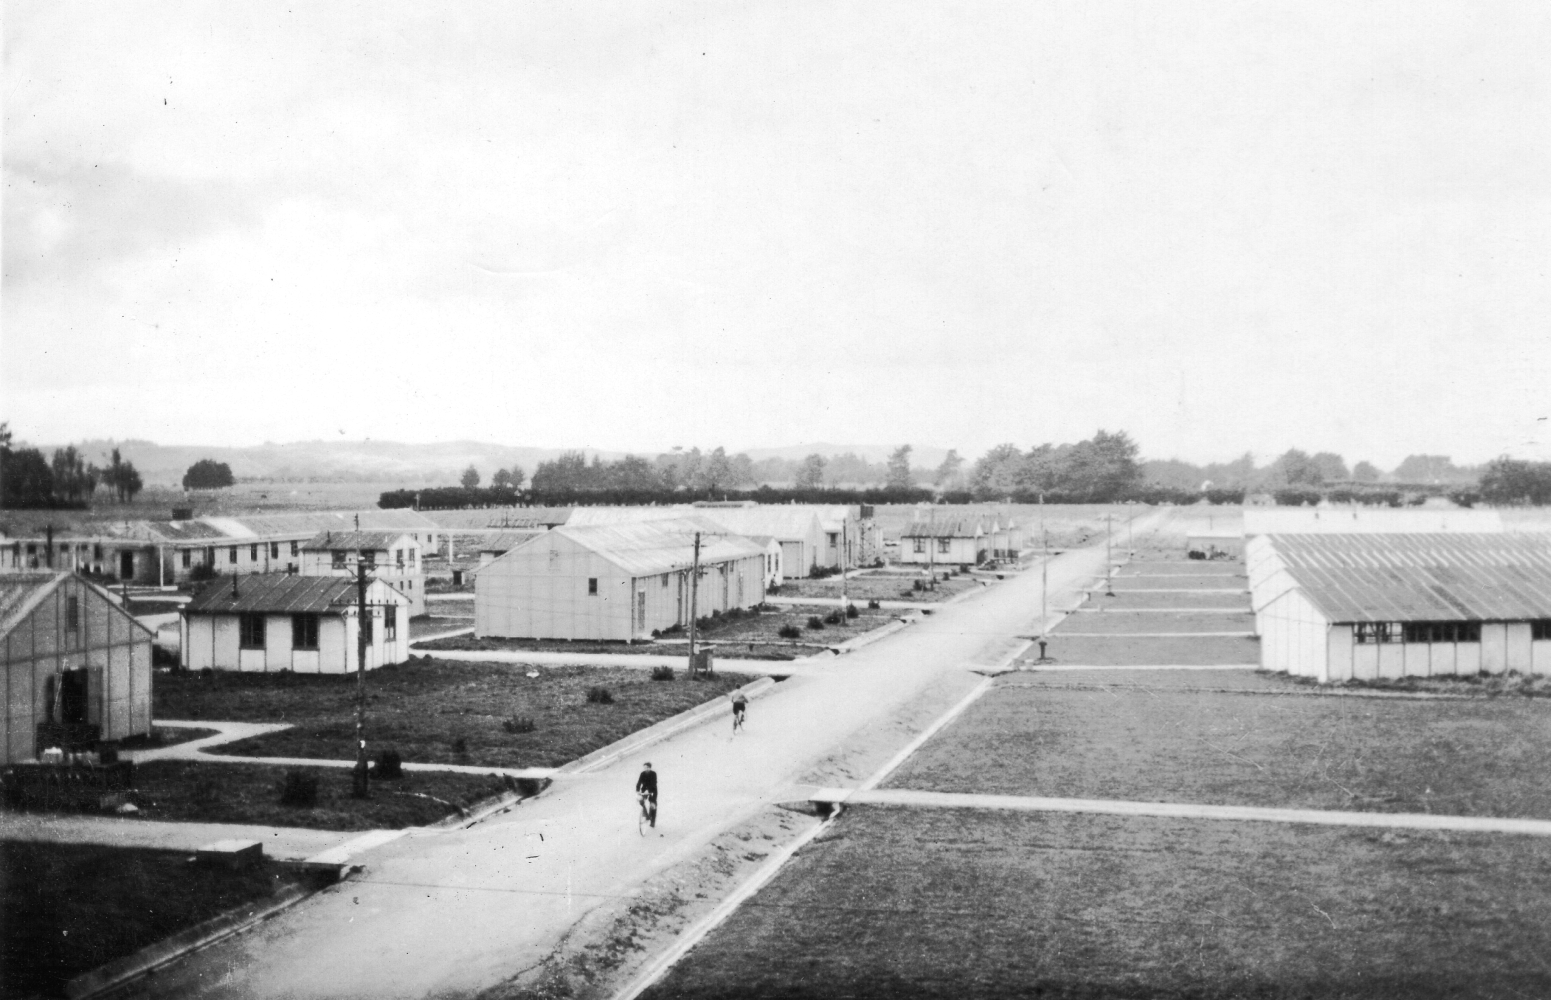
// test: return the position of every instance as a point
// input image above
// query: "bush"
(599, 695)
(833, 618)
(916, 585)
(788, 631)
(853, 611)
(662, 673)
(201, 573)
(460, 746)
(814, 623)
(389, 764)
(299, 789)
(874, 603)
(518, 724)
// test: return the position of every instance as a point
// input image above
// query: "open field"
(427, 709)
(155, 503)
(54, 931)
(1128, 736)
(748, 636)
(423, 625)
(884, 587)
(1119, 622)
(968, 904)
(1136, 651)
(1125, 599)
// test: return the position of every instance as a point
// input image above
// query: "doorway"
(126, 565)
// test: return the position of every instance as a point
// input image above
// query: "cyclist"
(739, 705)
(646, 792)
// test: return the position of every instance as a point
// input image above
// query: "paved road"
(449, 914)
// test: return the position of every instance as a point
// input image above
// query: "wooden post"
(360, 787)
(694, 593)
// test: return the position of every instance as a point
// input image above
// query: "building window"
(390, 624)
(72, 613)
(339, 558)
(304, 631)
(188, 558)
(210, 556)
(834, 538)
(1443, 631)
(1541, 629)
(250, 631)
(943, 543)
(97, 552)
(368, 559)
(920, 544)
(366, 627)
(253, 553)
(665, 581)
(274, 550)
(296, 548)
(592, 586)
(232, 555)
(398, 557)
(1376, 632)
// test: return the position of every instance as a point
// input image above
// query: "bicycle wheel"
(641, 817)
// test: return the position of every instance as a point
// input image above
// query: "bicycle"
(737, 716)
(648, 814)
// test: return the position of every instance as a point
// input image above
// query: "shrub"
(460, 746)
(874, 603)
(788, 631)
(518, 724)
(662, 673)
(299, 789)
(599, 695)
(814, 623)
(853, 611)
(389, 764)
(916, 585)
(833, 618)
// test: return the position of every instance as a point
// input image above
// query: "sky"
(1219, 227)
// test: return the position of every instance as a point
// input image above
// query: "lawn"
(1119, 622)
(440, 711)
(1124, 599)
(1131, 651)
(423, 625)
(72, 907)
(968, 904)
(1170, 737)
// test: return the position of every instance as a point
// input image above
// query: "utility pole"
(1109, 537)
(1044, 582)
(694, 594)
(845, 603)
(931, 548)
(359, 785)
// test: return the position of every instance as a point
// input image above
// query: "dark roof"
(1422, 577)
(277, 593)
(953, 527)
(371, 541)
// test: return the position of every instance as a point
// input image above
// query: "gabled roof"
(256, 527)
(508, 540)
(951, 527)
(787, 522)
(649, 548)
(1421, 577)
(20, 593)
(371, 541)
(282, 593)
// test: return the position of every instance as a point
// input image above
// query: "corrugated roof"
(508, 540)
(787, 522)
(20, 593)
(275, 593)
(953, 527)
(648, 548)
(497, 517)
(582, 516)
(1421, 577)
(372, 541)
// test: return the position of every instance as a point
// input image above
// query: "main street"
(450, 913)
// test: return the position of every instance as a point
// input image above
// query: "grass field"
(889, 587)
(1119, 622)
(1123, 651)
(424, 708)
(968, 905)
(1152, 737)
(72, 907)
(423, 625)
(188, 791)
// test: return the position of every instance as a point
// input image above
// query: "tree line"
(66, 480)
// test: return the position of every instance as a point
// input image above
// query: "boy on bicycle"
(646, 790)
(739, 705)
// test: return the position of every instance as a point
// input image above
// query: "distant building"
(615, 581)
(77, 666)
(496, 545)
(390, 556)
(1367, 520)
(947, 542)
(1337, 607)
(772, 548)
(308, 624)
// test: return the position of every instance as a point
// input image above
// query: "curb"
(152, 957)
(660, 731)
(868, 638)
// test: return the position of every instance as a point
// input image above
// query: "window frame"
(305, 625)
(245, 630)
(944, 546)
(592, 586)
(390, 623)
(1539, 629)
(73, 613)
(920, 545)
(232, 555)
(188, 558)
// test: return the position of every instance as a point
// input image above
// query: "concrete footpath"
(1181, 810)
(287, 843)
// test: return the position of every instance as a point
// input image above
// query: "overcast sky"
(1220, 227)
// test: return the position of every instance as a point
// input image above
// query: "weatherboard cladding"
(275, 593)
(1421, 577)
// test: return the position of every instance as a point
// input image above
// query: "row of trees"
(1296, 468)
(1101, 469)
(1508, 482)
(28, 480)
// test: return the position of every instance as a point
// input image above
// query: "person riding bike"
(646, 792)
(739, 705)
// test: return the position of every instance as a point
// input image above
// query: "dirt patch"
(969, 904)
(1165, 742)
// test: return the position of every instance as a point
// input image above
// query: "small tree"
(470, 477)
(810, 476)
(899, 469)
(502, 480)
(208, 474)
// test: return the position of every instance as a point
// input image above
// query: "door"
(126, 565)
(640, 611)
